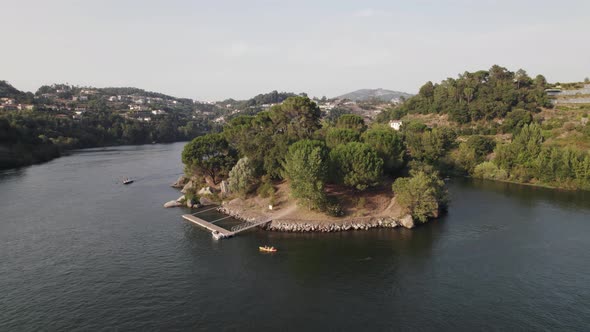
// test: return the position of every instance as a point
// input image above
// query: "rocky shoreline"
(294, 225)
(302, 226)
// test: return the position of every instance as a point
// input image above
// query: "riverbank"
(287, 223)
(378, 210)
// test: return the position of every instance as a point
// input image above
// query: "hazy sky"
(216, 49)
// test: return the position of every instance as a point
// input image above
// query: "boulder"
(181, 182)
(189, 185)
(192, 204)
(407, 221)
(206, 191)
(172, 204)
(206, 201)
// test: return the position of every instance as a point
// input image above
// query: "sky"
(213, 50)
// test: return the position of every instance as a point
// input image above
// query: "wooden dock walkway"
(205, 224)
(219, 232)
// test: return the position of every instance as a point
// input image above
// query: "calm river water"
(78, 251)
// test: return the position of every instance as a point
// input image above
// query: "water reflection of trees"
(12, 173)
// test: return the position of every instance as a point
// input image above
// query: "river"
(79, 251)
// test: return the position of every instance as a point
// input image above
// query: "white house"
(395, 124)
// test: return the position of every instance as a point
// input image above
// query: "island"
(311, 172)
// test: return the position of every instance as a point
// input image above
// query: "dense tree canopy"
(210, 156)
(421, 194)
(352, 122)
(338, 136)
(526, 159)
(480, 95)
(306, 167)
(389, 146)
(242, 177)
(356, 165)
(429, 145)
(265, 137)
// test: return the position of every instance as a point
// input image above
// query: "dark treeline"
(481, 95)
(30, 137)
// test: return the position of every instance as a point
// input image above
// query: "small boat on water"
(127, 181)
(267, 249)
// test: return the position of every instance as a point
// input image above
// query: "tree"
(337, 136)
(489, 170)
(351, 121)
(356, 165)
(297, 117)
(480, 95)
(209, 155)
(242, 177)
(422, 195)
(306, 167)
(481, 145)
(389, 146)
(517, 119)
(431, 145)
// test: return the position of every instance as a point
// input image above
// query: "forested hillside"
(481, 95)
(500, 125)
(38, 127)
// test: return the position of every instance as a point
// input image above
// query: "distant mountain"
(380, 94)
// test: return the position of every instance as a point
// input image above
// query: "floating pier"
(220, 232)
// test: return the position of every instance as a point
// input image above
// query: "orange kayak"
(267, 249)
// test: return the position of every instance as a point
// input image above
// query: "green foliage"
(298, 117)
(334, 114)
(489, 170)
(306, 167)
(265, 138)
(338, 136)
(389, 146)
(242, 177)
(480, 95)
(191, 195)
(351, 121)
(356, 165)
(481, 145)
(472, 152)
(430, 145)
(272, 97)
(516, 119)
(422, 194)
(392, 113)
(525, 159)
(333, 208)
(209, 155)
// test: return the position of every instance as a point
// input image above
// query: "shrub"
(489, 170)
(333, 208)
(266, 188)
(423, 195)
(241, 177)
